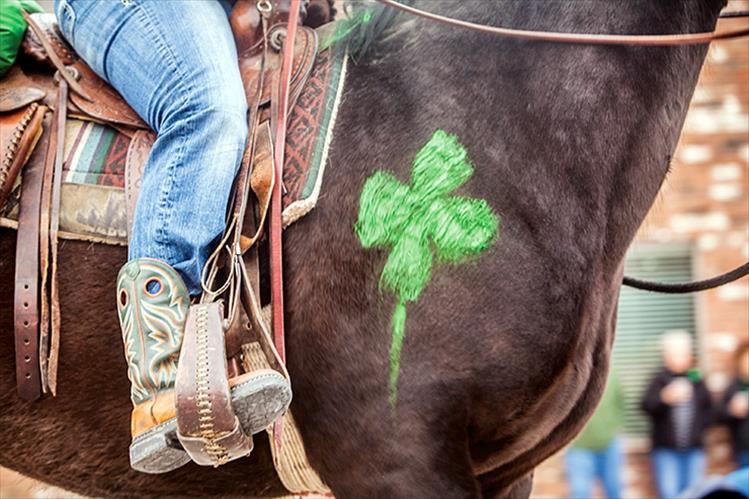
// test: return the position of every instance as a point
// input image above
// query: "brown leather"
(207, 427)
(26, 319)
(220, 449)
(20, 131)
(54, 58)
(261, 181)
(153, 412)
(304, 58)
(245, 20)
(96, 99)
(91, 95)
(54, 226)
(107, 105)
(44, 213)
(33, 45)
(280, 104)
(580, 38)
(251, 305)
(18, 91)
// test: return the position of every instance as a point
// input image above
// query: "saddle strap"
(279, 112)
(54, 229)
(261, 182)
(44, 212)
(207, 427)
(26, 318)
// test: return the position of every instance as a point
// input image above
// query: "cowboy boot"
(153, 303)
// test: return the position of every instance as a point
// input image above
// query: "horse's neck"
(573, 141)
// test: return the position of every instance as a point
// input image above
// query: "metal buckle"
(265, 7)
(71, 70)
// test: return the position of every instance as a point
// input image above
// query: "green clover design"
(419, 222)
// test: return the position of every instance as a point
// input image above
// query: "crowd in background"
(680, 408)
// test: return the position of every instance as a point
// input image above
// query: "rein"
(606, 39)
(688, 287)
(578, 38)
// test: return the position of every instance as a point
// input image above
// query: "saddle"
(50, 85)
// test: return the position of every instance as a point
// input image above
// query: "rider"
(175, 63)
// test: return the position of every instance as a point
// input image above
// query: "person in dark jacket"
(679, 406)
(734, 409)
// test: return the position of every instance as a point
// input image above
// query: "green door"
(644, 316)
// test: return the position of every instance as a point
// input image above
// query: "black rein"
(688, 287)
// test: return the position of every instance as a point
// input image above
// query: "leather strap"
(18, 91)
(26, 299)
(230, 242)
(49, 326)
(54, 58)
(279, 113)
(45, 203)
(207, 427)
(261, 182)
(54, 228)
(281, 104)
(577, 38)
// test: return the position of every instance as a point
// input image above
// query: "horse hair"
(505, 357)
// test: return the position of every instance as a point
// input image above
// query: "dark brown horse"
(504, 358)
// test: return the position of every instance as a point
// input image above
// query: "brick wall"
(705, 202)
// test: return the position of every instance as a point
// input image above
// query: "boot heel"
(259, 398)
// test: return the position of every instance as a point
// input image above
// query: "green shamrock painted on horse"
(420, 222)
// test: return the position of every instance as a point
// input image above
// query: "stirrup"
(217, 416)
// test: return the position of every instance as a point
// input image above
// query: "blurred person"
(734, 408)
(597, 451)
(679, 406)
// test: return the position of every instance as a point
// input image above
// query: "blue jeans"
(676, 470)
(175, 63)
(583, 466)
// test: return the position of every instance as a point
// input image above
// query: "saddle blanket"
(93, 202)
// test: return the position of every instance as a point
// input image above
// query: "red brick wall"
(705, 202)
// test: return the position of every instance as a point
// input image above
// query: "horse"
(505, 357)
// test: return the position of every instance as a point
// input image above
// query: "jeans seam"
(165, 199)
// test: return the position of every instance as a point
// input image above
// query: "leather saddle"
(51, 83)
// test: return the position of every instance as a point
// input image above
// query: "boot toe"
(154, 451)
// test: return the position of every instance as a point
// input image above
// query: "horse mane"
(365, 21)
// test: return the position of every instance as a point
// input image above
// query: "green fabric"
(12, 28)
(606, 421)
(420, 221)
